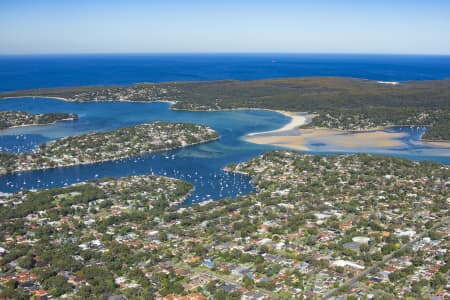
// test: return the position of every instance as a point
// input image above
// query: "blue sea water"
(202, 164)
(27, 72)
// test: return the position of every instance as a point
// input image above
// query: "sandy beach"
(341, 138)
(297, 120)
(441, 144)
(286, 136)
(290, 136)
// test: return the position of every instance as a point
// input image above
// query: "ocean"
(43, 71)
(201, 164)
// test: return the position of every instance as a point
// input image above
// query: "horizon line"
(220, 53)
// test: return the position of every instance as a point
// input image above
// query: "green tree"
(247, 282)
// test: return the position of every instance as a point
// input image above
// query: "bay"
(201, 164)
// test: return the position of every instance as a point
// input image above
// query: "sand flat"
(297, 120)
(295, 142)
(440, 144)
(366, 139)
(290, 136)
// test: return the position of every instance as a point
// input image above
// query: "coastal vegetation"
(61, 265)
(440, 130)
(369, 118)
(111, 145)
(20, 118)
(354, 104)
(317, 226)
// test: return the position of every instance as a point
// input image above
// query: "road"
(385, 259)
(228, 279)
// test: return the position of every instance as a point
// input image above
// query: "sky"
(227, 26)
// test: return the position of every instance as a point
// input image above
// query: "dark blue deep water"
(201, 164)
(26, 72)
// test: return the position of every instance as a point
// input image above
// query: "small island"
(105, 146)
(9, 119)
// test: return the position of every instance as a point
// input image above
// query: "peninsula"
(112, 145)
(10, 119)
(340, 103)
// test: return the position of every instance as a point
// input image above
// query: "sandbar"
(292, 137)
(441, 144)
(364, 139)
(296, 121)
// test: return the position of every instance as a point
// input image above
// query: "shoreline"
(86, 101)
(331, 138)
(296, 122)
(109, 159)
(274, 138)
(34, 125)
(436, 143)
(42, 97)
(292, 137)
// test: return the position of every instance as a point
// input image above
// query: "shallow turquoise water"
(201, 164)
